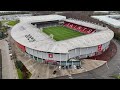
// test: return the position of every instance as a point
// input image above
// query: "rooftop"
(109, 20)
(42, 18)
(44, 43)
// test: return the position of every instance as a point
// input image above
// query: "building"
(68, 52)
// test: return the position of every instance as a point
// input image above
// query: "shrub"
(117, 36)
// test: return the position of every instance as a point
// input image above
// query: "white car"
(59, 67)
(10, 54)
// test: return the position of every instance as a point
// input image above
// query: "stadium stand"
(45, 24)
(79, 28)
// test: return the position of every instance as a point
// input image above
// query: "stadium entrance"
(76, 64)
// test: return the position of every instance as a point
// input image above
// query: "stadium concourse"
(31, 39)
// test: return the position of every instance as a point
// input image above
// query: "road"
(8, 67)
(103, 72)
(0, 65)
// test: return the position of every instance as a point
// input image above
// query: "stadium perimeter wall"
(78, 52)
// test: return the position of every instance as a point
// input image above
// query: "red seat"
(79, 28)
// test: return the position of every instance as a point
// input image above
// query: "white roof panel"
(108, 20)
(44, 43)
(42, 18)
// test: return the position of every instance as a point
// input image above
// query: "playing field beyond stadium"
(61, 33)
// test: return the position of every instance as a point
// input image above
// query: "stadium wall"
(23, 49)
(78, 52)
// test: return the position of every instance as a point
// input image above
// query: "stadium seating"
(79, 28)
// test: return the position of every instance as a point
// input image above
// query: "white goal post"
(51, 36)
(41, 29)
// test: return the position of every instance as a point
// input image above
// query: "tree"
(0, 24)
(0, 35)
(117, 35)
(3, 30)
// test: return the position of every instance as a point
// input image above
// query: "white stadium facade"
(42, 48)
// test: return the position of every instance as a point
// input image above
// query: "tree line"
(3, 31)
(12, 13)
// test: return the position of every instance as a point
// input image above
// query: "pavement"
(8, 66)
(103, 72)
(0, 65)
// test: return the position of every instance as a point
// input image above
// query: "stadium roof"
(44, 43)
(109, 20)
(101, 11)
(42, 18)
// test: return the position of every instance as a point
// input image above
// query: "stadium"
(59, 40)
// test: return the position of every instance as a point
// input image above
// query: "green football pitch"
(61, 33)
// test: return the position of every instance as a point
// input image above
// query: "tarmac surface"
(0, 65)
(8, 66)
(105, 71)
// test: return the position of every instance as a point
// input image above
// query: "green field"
(12, 23)
(61, 33)
(3, 21)
(22, 71)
